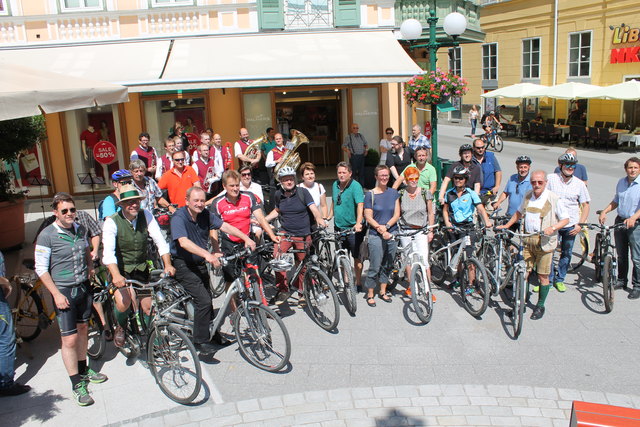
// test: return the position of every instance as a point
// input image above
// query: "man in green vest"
(124, 237)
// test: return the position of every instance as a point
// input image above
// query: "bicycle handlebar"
(410, 233)
(513, 233)
(592, 226)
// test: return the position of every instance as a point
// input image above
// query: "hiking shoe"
(94, 377)
(560, 287)
(81, 394)
(535, 288)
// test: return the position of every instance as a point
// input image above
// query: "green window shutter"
(271, 14)
(346, 13)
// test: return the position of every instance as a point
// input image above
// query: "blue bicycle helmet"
(121, 174)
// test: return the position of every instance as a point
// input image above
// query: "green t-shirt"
(265, 147)
(345, 212)
(427, 175)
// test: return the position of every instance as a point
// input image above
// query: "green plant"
(15, 136)
(373, 158)
(434, 86)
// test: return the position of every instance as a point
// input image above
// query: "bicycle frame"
(454, 261)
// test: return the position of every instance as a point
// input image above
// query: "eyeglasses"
(569, 166)
(65, 211)
(389, 133)
(537, 182)
(459, 177)
(246, 174)
(131, 202)
(412, 179)
(181, 159)
(479, 148)
(125, 182)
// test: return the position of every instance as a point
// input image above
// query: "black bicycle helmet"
(465, 147)
(461, 171)
(523, 159)
(567, 159)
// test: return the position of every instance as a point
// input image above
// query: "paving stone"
(542, 403)
(271, 402)
(393, 402)
(278, 422)
(361, 422)
(476, 390)
(407, 391)
(430, 390)
(451, 420)
(303, 408)
(316, 396)
(525, 411)
(505, 421)
(381, 392)
(620, 400)
(424, 401)
(536, 421)
(339, 394)
(410, 411)
(201, 413)
(152, 421)
(294, 399)
(362, 393)
(565, 404)
(224, 410)
(478, 420)
(222, 421)
(569, 394)
(466, 410)
(248, 405)
(176, 419)
(315, 417)
(545, 393)
(334, 423)
(483, 400)
(437, 410)
(553, 413)
(521, 391)
(594, 397)
(496, 410)
(367, 403)
(512, 401)
(559, 423)
(379, 412)
(453, 390)
(498, 391)
(342, 404)
(352, 414)
(265, 414)
(453, 400)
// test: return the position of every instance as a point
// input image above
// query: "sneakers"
(560, 287)
(81, 394)
(14, 389)
(535, 288)
(634, 294)
(94, 377)
(538, 312)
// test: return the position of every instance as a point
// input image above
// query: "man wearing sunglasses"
(574, 195)
(179, 179)
(491, 171)
(63, 263)
(109, 206)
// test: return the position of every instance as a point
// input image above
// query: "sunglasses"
(479, 148)
(246, 174)
(459, 177)
(537, 182)
(389, 133)
(65, 211)
(125, 182)
(181, 159)
(413, 179)
(569, 166)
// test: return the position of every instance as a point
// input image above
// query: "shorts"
(467, 229)
(535, 257)
(80, 301)
(353, 241)
(421, 245)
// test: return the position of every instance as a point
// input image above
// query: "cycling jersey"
(461, 208)
(237, 214)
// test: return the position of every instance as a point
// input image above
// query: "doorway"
(315, 113)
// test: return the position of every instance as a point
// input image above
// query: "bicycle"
(318, 290)
(419, 281)
(605, 260)
(170, 354)
(582, 252)
(516, 275)
(337, 264)
(494, 141)
(496, 255)
(445, 264)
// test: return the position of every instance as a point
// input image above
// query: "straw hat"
(129, 192)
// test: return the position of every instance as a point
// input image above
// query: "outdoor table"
(630, 138)
(564, 130)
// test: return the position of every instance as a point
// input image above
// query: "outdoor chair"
(609, 125)
(575, 135)
(535, 130)
(551, 121)
(561, 121)
(623, 126)
(551, 133)
(525, 131)
(605, 137)
(592, 136)
(598, 124)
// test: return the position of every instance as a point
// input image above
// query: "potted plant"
(15, 136)
(434, 87)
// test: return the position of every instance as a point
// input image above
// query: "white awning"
(247, 60)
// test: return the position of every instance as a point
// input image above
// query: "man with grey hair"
(147, 187)
(356, 147)
(418, 139)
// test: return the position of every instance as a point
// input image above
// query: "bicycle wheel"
(474, 293)
(608, 280)
(498, 144)
(27, 320)
(580, 252)
(216, 280)
(325, 256)
(97, 343)
(174, 363)
(347, 284)
(262, 337)
(489, 256)
(421, 294)
(519, 303)
(322, 300)
(597, 265)
(438, 261)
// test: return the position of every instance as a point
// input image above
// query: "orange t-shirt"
(177, 186)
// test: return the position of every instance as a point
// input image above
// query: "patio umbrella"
(27, 92)
(570, 90)
(518, 90)
(628, 91)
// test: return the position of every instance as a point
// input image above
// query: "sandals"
(384, 297)
(371, 302)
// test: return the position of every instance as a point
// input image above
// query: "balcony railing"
(85, 28)
(174, 22)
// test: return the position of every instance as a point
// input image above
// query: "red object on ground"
(427, 130)
(105, 152)
(595, 414)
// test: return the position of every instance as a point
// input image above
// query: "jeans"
(474, 124)
(7, 343)
(565, 240)
(381, 255)
(357, 166)
(628, 239)
(195, 280)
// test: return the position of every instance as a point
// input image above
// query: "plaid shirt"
(420, 141)
(151, 192)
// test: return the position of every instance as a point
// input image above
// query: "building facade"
(311, 65)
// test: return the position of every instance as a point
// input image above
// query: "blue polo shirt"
(294, 214)
(345, 203)
(516, 190)
(489, 168)
(197, 231)
(461, 208)
(627, 197)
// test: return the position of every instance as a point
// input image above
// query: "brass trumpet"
(291, 158)
(254, 148)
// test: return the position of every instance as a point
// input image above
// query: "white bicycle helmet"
(286, 171)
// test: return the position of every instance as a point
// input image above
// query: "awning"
(246, 60)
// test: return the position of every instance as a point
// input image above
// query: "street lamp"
(411, 29)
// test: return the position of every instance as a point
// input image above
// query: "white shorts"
(421, 242)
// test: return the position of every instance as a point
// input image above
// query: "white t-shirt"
(532, 220)
(384, 142)
(316, 191)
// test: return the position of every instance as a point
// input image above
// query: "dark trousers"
(628, 240)
(194, 278)
(357, 167)
(7, 343)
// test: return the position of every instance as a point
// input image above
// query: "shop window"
(490, 61)
(29, 171)
(4, 7)
(531, 58)
(257, 113)
(94, 146)
(580, 54)
(455, 60)
(162, 3)
(366, 113)
(81, 5)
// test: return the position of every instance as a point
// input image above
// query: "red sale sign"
(105, 152)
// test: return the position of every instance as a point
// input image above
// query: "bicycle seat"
(29, 263)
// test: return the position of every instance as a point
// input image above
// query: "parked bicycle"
(462, 268)
(496, 254)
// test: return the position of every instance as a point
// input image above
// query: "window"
(580, 54)
(490, 61)
(455, 60)
(81, 5)
(303, 14)
(161, 3)
(4, 7)
(531, 59)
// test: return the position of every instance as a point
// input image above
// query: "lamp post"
(411, 29)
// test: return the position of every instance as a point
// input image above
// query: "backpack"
(100, 207)
(300, 195)
(423, 191)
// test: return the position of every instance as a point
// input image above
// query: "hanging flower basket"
(434, 87)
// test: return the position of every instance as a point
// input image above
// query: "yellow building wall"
(225, 113)
(34, 7)
(58, 159)
(36, 31)
(132, 122)
(127, 4)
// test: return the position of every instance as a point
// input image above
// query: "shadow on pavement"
(395, 417)
(42, 408)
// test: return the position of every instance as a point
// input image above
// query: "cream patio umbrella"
(28, 92)
(570, 90)
(518, 90)
(627, 91)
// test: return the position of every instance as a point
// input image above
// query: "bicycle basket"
(283, 263)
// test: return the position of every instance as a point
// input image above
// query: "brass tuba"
(291, 158)
(254, 148)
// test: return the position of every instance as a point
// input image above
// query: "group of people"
(404, 197)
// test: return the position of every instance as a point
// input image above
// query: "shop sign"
(623, 35)
(105, 152)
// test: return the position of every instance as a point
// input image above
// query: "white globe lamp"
(411, 29)
(454, 24)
